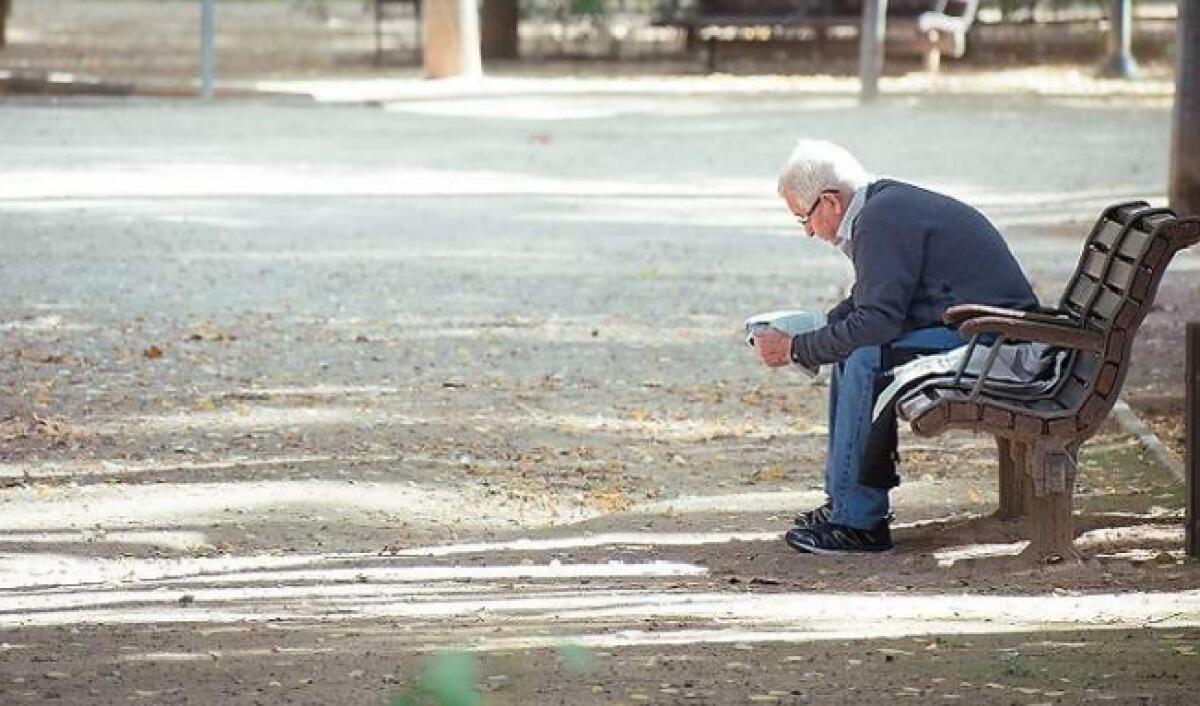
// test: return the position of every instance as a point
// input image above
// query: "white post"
(208, 11)
(451, 39)
(870, 47)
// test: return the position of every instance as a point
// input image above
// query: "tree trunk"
(1185, 143)
(498, 29)
(5, 9)
(451, 38)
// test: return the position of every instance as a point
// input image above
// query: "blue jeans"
(851, 398)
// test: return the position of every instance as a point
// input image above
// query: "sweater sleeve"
(841, 311)
(888, 259)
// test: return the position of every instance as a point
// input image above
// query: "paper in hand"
(790, 322)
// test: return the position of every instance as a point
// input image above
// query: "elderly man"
(915, 253)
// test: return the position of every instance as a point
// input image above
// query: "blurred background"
(154, 44)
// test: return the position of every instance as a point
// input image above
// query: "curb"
(1133, 424)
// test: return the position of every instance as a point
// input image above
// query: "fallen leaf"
(208, 332)
(771, 474)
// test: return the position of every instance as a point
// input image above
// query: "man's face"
(819, 218)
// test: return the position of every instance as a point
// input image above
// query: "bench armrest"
(965, 312)
(1054, 333)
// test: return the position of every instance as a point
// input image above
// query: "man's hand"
(773, 346)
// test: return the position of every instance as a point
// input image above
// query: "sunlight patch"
(642, 423)
(234, 420)
(41, 324)
(664, 539)
(375, 255)
(210, 655)
(200, 180)
(948, 557)
(534, 108)
(1171, 534)
(121, 507)
(109, 467)
(179, 540)
(320, 391)
(735, 502)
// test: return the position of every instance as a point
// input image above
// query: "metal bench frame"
(1038, 431)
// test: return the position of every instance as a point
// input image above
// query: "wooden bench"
(935, 27)
(1039, 430)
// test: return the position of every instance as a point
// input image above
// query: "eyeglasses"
(803, 220)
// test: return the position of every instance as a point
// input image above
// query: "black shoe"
(812, 518)
(831, 538)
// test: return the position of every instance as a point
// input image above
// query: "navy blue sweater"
(915, 254)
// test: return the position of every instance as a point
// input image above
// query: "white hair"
(818, 165)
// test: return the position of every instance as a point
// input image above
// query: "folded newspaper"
(790, 322)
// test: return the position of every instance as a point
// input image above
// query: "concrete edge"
(1133, 424)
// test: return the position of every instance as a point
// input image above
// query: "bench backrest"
(1112, 290)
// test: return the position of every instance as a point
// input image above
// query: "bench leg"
(933, 52)
(1052, 475)
(1012, 479)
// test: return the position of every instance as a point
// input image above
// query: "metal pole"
(1185, 148)
(208, 11)
(1120, 62)
(1192, 424)
(870, 48)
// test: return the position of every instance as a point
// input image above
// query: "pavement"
(298, 392)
